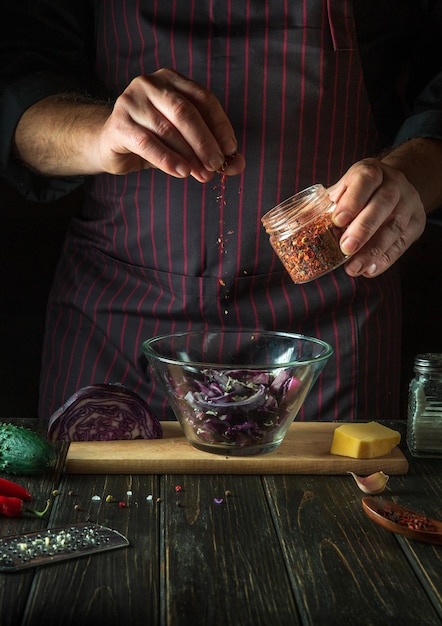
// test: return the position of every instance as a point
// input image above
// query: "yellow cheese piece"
(364, 441)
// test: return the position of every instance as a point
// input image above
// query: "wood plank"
(339, 558)
(305, 450)
(421, 491)
(223, 562)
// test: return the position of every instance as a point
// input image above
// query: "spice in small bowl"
(303, 235)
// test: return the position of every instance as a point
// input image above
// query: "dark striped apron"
(151, 254)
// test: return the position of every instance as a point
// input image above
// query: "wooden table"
(230, 550)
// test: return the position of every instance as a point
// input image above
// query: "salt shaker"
(424, 421)
(303, 235)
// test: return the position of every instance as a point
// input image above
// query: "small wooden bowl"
(399, 519)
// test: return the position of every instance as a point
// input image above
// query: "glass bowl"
(236, 392)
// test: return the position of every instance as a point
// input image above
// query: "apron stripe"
(340, 15)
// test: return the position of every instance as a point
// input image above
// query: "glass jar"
(424, 421)
(302, 233)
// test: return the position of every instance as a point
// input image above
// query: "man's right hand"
(164, 120)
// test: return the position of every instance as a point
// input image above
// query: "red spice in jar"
(303, 234)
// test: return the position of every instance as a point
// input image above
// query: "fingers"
(145, 135)
(174, 124)
(211, 112)
(233, 164)
(355, 189)
(383, 214)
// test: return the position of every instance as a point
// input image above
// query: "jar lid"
(428, 362)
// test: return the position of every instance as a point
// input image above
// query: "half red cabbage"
(104, 412)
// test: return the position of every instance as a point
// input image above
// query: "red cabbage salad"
(239, 407)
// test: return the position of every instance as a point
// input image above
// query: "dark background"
(31, 236)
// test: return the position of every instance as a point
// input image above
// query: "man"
(302, 92)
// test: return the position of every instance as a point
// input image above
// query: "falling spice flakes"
(222, 240)
(221, 203)
(222, 190)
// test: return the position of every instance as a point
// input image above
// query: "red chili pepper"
(14, 507)
(8, 488)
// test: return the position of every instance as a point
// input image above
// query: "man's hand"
(171, 123)
(383, 204)
(164, 120)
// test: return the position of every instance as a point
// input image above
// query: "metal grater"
(51, 545)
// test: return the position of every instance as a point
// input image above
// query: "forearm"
(56, 136)
(420, 160)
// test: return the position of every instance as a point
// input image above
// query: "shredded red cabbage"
(237, 407)
(104, 412)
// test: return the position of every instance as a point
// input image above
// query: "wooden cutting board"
(305, 450)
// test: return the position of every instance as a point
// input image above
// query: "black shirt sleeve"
(426, 118)
(46, 48)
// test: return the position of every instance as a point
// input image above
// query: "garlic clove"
(375, 483)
